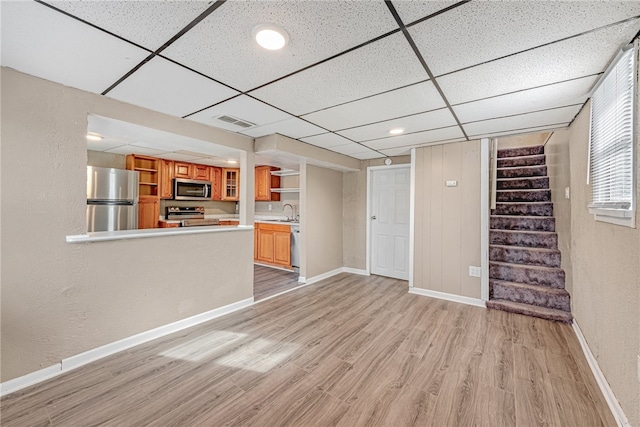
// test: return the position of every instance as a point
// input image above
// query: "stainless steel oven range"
(192, 216)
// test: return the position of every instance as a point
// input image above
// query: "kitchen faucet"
(293, 212)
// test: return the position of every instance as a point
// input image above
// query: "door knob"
(373, 217)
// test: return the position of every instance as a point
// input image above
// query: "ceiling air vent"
(235, 121)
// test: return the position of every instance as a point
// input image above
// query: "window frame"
(618, 215)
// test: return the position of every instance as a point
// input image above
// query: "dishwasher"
(295, 248)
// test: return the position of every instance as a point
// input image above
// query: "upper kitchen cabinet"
(166, 178)
(216, 181)
(148, 167)
(265, 182)
(230, 184)
(191, 171)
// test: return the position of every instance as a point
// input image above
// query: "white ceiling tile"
(147, 23)
(400, 102)
(417, 138)
(44, 43)
(372, 69)
(418, 122)
(214, 161)
(578, 57)
(242, 107)
(535, 129)
(403, 151)
(551, 96)
(106, 143)
(293, 128)
(367, 155)
(350, 149)
(164, 86)
(180, 157)
(316, 29)
(326, 140)
(523, 121)
(411, 10)
(134, 149)
(495, 29)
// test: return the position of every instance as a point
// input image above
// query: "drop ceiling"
(441, 70)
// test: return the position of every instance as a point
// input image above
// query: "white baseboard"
(608, 394)
(332, 273)
(449, 297)
(73, 362)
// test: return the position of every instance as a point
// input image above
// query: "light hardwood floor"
(269, 281)
(348, 351)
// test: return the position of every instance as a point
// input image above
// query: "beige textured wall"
(60, 299)
(606, 279)
(447, 219)
(106, 160)
(558, 169)
(355, 212)
(321, 222)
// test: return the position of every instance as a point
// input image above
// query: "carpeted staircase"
(524, 261)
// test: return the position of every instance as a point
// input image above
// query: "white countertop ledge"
(102, 236)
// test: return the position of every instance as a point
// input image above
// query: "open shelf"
(285, 190)
(285, 172)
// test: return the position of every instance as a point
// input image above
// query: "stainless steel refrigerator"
(112, 199)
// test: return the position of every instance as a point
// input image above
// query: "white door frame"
(370, 171)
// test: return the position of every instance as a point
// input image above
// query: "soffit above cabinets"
(443, 70)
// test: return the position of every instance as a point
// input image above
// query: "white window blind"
(612, 139)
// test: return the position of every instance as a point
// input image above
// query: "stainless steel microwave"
(191, 189)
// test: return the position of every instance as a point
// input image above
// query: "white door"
(389, 218)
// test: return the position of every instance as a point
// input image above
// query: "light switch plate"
(475, 271)
(452, 183)
(567, 193)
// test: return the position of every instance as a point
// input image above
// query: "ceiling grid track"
(393, 11)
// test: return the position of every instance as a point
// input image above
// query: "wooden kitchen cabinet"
(216, 183)
(148, 169)
(229, 222)
(201, 172)
(273, 244)
(182, 170)
(264, 182)
(164, 224)
(230, 184)
(148, 212)
(166, 179)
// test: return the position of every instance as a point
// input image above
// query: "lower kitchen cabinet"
(148, 212)
(229, 222)
(273, 244)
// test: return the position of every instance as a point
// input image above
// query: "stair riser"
(527, 224)
(524, 256)
(523, 184)
(529, 240)
(521, 151)
(529, 296)
(545, 209)
(521, 161)
(564, 317)
(520, 274)
(522, 172)
(524, 196)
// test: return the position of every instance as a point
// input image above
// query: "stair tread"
(522, 189)
(528, 266)
(543, 289)
(518, 216)
(522, 157)
(521, 167)
(517, 178)
(524, 203)
(523, 231)
(543, 311)
(528, 248)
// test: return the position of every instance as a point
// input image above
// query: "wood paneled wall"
(447, 219)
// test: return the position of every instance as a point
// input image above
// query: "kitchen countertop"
(266, 219)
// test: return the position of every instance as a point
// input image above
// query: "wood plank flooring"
(271, 281)
(348, 351)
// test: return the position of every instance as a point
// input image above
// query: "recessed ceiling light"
(270, 36)
(94, 137)
(396, 131)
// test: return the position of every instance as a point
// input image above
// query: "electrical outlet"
(270, 207)
(475, 271)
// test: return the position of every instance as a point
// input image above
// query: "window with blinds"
(612, 140)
